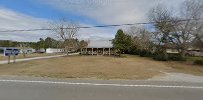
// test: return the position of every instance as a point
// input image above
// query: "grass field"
(2, 57)
(98, 67)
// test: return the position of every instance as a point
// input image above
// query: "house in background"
(99, 48)
(194, 52)
(26, 50)
(172, 51)
(190, 52)
(55, 50)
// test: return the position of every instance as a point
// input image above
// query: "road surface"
(75, 89)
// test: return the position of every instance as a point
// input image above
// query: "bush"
(198, 62)
(145, 53)
(160, 57)
(176, 57)
(134, 51)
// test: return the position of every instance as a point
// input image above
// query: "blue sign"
(11, 52)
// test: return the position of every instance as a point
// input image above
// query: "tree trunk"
(66, 50)
(182, 53)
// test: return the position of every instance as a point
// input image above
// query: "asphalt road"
(54, 89)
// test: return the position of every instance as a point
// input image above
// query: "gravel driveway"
(178, 77)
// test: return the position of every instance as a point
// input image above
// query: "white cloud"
(112, 11)
(109, 12)
(96, 33)
(103, 11)
(11, 20)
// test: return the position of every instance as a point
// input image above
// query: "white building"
(28, 50)
(55, 50)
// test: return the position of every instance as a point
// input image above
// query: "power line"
(87, 27)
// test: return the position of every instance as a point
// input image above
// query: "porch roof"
(100, 44)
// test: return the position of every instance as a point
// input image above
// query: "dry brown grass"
(99, 67)
(27, 56)
(185, 67)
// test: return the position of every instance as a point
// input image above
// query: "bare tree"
(163, 19)
(178, 30)
(187, 30)
(67, 32)
(141, 38)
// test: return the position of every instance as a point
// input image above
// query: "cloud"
(11, 20)
(111, 11)
(101, 11)
(96, 33)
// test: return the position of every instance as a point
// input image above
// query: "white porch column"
(109, 51)
(92, 51)
(97, 52)
(81, 51)
(103, 51)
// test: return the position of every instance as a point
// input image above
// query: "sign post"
(14, 59)
(9, 58)
(11, 52)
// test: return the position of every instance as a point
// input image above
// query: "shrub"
(137, 52)
(145, 53)
(160, 57)
(134, 51)
(176, 57)
(198, 62)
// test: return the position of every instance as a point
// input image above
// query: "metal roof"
(100, 44)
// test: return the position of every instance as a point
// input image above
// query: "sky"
(34, 14)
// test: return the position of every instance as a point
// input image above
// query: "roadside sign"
(11, 52)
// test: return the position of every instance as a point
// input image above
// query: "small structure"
(194, 52)
(98, 48)
(26, 50)
(98, 51)
(172, 51)
(55, 50)
(41, 50)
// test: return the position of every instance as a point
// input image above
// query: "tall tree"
(141, 38)
(122, 41)
(187, 30)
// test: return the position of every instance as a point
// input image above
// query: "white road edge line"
(98, 84)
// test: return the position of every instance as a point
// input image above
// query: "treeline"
(179, 31)
(42, 43)
(46, 43)
(9, 43)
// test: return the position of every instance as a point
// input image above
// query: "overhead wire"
(87, 27)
